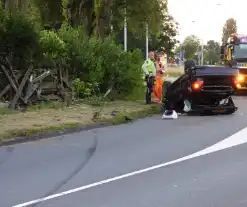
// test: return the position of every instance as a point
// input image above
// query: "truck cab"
(234, 53)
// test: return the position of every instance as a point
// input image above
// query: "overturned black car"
(207, 90)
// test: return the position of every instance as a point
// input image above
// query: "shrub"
(84, 89)
(96, 64)
(18, 39)
(129, 79)
(75, 42)
(103, 62)
(53, 48)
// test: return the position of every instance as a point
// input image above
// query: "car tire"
(165, 86)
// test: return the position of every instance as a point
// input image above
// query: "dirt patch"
(81, 114)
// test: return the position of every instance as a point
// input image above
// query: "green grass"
(6, 111)
(119, 119)
(95, 102)
(47, 105)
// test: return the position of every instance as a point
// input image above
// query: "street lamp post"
(202, 55)
(125, 29)
(125, 33)
(147, 41)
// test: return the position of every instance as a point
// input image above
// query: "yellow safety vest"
(149, 67)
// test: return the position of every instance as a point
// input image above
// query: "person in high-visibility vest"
(149, 67)
(149, 70)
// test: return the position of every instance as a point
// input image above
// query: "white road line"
(234, 140)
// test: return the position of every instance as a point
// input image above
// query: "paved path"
(129, 165)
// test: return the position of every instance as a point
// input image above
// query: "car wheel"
(165, 86)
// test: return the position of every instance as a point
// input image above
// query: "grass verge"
(134, 115)
(174, 72)
(52, 122)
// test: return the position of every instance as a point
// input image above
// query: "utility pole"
(202, 57)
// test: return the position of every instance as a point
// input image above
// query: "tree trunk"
(23, 5)
(90, 17)
(11, 4)
(103, 17)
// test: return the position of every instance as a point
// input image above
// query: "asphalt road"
(61, 169)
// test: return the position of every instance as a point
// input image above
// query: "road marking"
(234, 140)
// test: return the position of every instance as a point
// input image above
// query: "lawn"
(33, 121)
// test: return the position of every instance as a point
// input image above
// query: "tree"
(164, 40)
(103, 17)
(162, 26)
(16, 4)
(229, 28)
(51, 12)
(213, 45)
(191, 45)
(212, 52)
(10, 4)
(138, 15)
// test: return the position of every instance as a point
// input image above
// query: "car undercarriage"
(207, 90)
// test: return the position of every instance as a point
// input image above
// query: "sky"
(208, 16)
